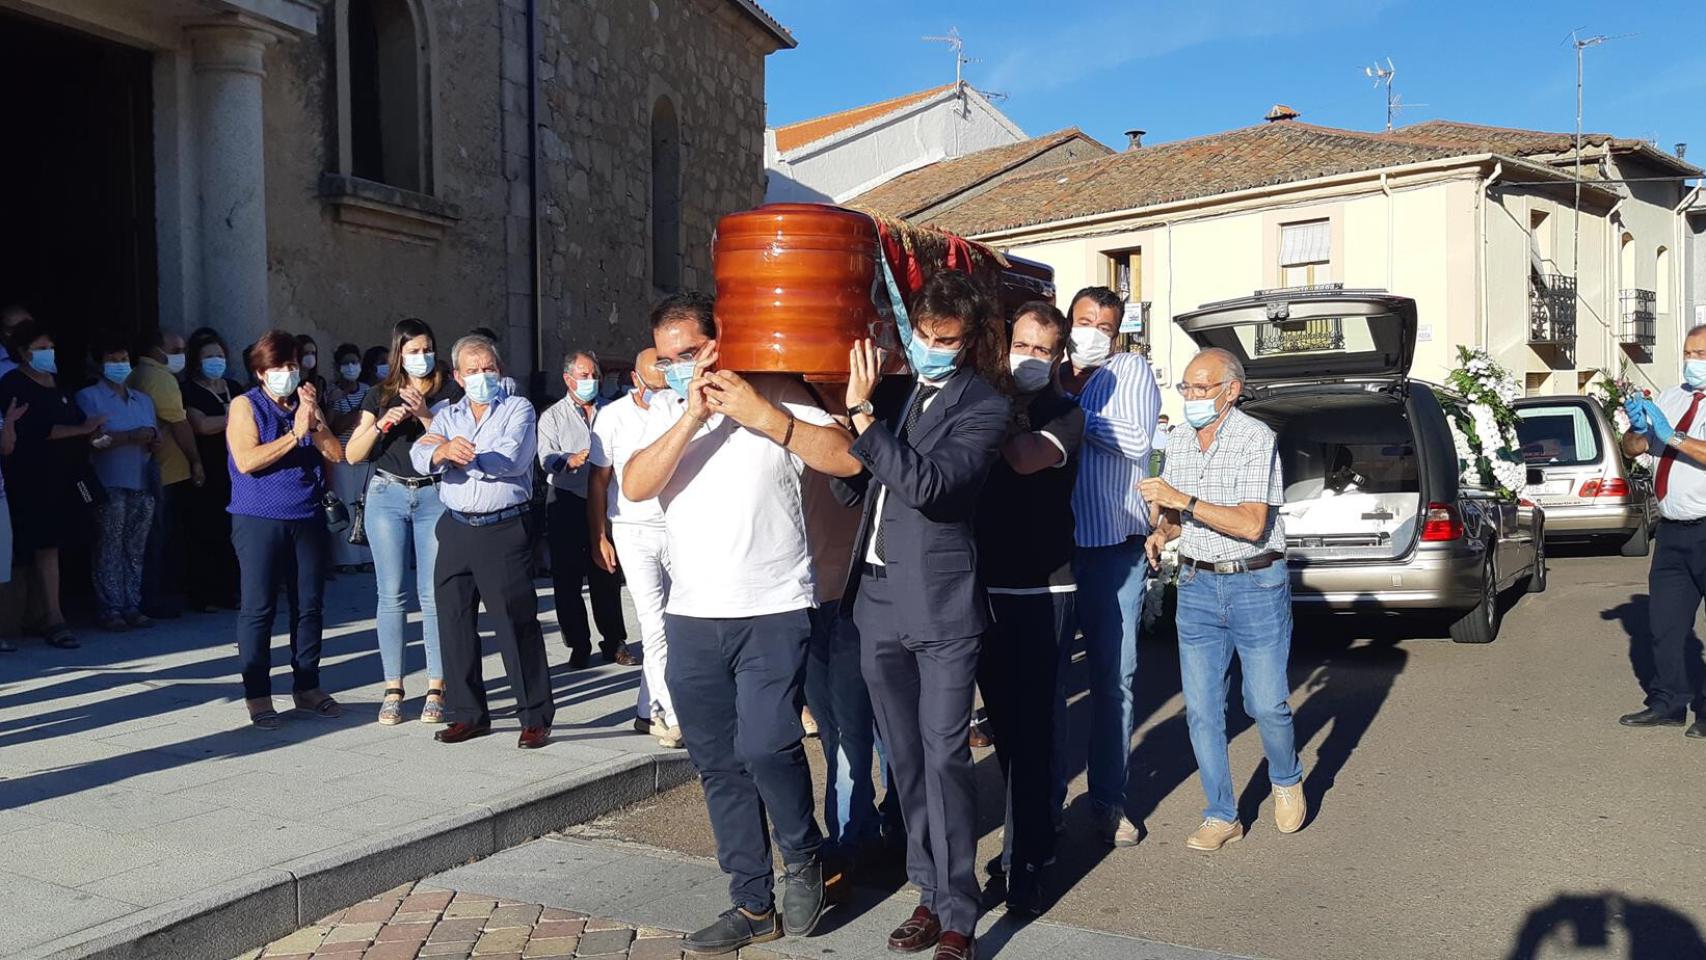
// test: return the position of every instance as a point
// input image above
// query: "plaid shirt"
(1240, 466)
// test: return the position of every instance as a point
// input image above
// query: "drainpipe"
(1481, 201)
(1386, 188)
(537, 377)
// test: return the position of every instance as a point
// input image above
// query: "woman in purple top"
(279, 446)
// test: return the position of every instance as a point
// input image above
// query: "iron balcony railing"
(1300, 336)
(1552, 310)
(1638, 310)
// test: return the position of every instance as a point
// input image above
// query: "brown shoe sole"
(1232, 839)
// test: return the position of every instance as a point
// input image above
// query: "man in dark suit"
(926, 443)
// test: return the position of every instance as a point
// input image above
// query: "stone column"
(229, 65)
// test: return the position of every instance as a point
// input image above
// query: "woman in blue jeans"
(402, 505)
(279, 445)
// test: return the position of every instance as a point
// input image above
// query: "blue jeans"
(273, 554)
(1110, 603)
(835, 690)
(1248, 614)
(397, 515)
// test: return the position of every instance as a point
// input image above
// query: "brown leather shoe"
(919, 932)
(956, 946)
(979, 737)
(532, 738)
(459, 732)
(621, 657)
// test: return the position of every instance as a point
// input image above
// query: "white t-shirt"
(1685, 484)
(733, 512)
(618, 432)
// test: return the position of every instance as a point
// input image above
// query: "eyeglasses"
(1198, 391)
(665, 364)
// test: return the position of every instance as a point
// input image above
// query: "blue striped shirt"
(1121, 403)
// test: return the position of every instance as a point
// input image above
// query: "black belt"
(876, 571)
(414, 483)
(1697, 521)
(1261, 561)
(487, 519)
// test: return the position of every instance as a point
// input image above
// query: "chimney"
(1281, 112)
(1681, 150)
(1134, 139)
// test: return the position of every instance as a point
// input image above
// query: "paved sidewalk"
(134, 796)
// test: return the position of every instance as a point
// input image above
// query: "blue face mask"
(41, 361)
(482, 387)
(585, 390)
(679, 375)
(282, 383)
(417, 364)
(213, 367)
(648, 396)
(116, 372)
(931, 363)
(1694, 371)
(1200, 413)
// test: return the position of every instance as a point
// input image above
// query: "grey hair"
(1229, 362)
(571, 356)
(474, 341)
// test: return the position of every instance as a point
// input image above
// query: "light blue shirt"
(121, 466)
(501, 473)
(1121, 403)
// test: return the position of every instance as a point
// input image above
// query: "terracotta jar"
(795, 286)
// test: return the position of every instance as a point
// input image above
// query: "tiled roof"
(1270, 153)
(916, 190)
(796, 135)
(768, 22)
(1476, 138)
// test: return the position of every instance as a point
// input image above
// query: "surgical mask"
(1090, 346)
(930, 363)
(585, 390)
(41, 361)
(1030, 373)
(482, 387)
(1694, 371)
(1200, 413)
(282, 383)
(309, 360)
(350, 370)
(417, 364)
(648, 396)
(213, 367)
(382, 370)
(679, 375)
(175, 362)
(117, 372)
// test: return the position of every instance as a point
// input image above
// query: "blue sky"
(1180, 68)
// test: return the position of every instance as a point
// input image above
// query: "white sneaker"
(667, 736)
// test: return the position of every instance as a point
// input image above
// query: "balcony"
(1552, 310)
(1638, 321)
(1300, 336)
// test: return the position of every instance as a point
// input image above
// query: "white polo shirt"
(1685, 486)
(616, 435)
(733, 512)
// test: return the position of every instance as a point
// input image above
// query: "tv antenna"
(1382, 77)
(1581, 43)
(958, 44)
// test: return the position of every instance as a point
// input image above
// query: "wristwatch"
(864, 407)
(1675, 440)
(1189, 514)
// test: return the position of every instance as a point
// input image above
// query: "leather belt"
(1259, 562)
(875, 571)
(1697, 521)
(414, 483)
(487, 519)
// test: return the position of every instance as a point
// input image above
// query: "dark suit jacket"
(933, 479)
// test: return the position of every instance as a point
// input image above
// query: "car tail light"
(1442, 524)
(1597, 489)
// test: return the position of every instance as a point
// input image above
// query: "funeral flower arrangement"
(1610, 392)
(1483, 423)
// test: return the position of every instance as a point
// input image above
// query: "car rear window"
(1561, 436)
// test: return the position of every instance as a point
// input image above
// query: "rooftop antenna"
(1382, 76)
(958, 45)
(1581, 43)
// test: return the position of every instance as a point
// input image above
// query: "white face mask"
(1030, 373)
(1090, 346)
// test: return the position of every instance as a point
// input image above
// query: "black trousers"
(921, 689)
(1017, 671)
(490, 564)
(571, 565)
(1676, 585)
(162, 572)
(738, 684)
(274, 554)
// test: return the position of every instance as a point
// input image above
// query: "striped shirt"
(1121, 403)
(1240, 466)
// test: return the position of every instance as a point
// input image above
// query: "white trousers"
(643, 553)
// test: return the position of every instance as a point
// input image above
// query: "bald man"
(631, 534)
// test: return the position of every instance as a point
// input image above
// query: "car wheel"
(1639, 543)
(1481, 624)
(1537, 579)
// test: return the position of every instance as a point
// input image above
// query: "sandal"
(266, 719)
(391, 709)
(433, 710)
(59, 635)
(325, 708)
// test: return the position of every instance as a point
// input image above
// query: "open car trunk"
(1353, 487)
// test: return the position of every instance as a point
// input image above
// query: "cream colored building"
(1477, 224)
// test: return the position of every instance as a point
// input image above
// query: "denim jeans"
(396, 516)
(273, 554)
(835, 690)
(1111, 582)
(1248, 614)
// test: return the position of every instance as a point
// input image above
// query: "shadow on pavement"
(1637, 629)
(1592, 924)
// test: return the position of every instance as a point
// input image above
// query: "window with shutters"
(1306, 253)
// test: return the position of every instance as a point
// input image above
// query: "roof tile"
(914, 191)
(796, 135)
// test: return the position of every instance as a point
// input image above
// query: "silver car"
(1578, 475)
(1376, 518)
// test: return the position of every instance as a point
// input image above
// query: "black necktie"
(919, 399)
